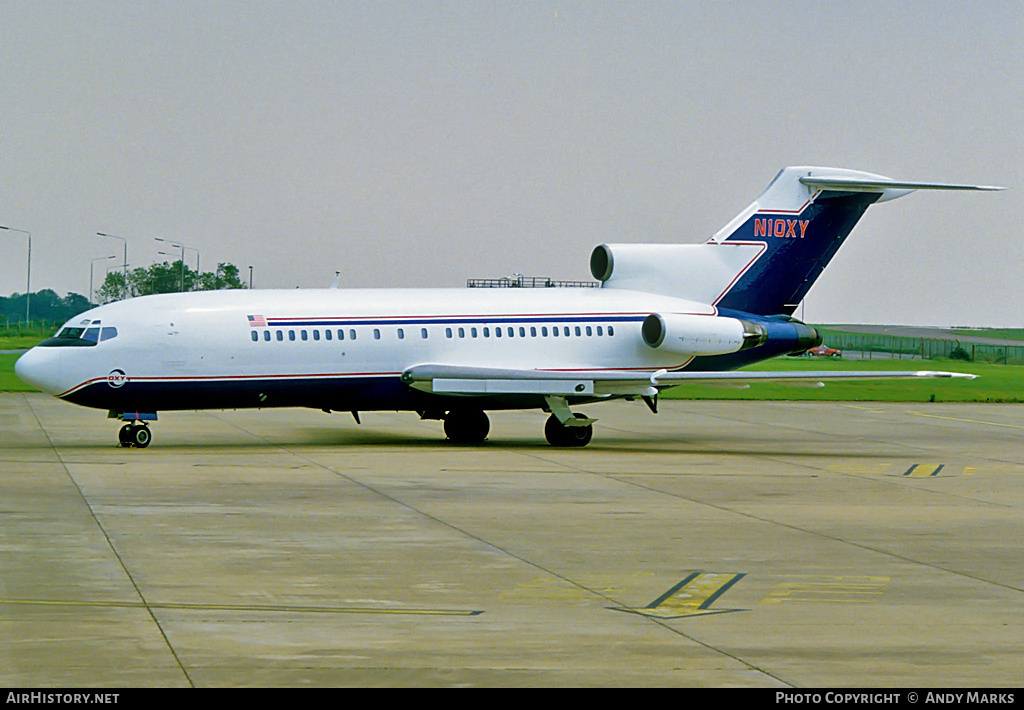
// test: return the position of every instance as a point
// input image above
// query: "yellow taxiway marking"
(917, 470)
(876, 410)
(971, 421)
(924, 470)
(691, 597)
(241, 607)
(828, 589)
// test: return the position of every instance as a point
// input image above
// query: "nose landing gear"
(135, 433)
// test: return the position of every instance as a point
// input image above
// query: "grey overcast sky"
(423, 143)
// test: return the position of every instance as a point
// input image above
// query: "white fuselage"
(180, 349)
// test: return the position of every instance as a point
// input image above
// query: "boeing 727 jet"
(665, 314)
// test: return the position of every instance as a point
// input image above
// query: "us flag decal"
(257, 321)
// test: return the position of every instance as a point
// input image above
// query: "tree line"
(165, 277)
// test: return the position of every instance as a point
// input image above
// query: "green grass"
(1001, 333)
(9, 382)
(995, 383)
(19, 342)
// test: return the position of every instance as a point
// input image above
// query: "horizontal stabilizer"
(859, 185)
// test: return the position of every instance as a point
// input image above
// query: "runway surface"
(715, 544)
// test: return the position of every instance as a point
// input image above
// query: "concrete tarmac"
(715, 544)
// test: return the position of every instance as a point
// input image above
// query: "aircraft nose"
(41, 368)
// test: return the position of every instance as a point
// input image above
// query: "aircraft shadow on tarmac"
(355, 440)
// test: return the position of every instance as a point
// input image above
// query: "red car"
(824, 351)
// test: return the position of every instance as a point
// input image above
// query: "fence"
(518, 281)
(34, 328)
(904, 348)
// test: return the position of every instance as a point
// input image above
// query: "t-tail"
(766, 259)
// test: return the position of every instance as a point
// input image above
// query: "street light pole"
(28, 278)
(91, 265)
(183, 247)
(114, 236)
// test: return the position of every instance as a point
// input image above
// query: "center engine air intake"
(686, 334)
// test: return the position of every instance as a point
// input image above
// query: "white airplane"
(665, 314)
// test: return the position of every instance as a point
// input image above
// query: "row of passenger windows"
(532, 331)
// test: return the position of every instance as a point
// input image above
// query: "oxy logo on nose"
(116, 378)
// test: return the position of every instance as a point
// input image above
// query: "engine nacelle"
(685, 334)
(694, 272)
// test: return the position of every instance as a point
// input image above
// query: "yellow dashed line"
(971, 421)
(828, 589)
(240, 607)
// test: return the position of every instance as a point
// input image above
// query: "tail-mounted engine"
(685, 334)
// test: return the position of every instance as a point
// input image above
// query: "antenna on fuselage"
(337, 279)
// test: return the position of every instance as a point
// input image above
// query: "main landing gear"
(564, 436)
(564, 428)
(135, 433)
(466, 426)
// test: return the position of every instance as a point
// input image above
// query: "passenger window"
(611, 331)
(565, 331)
(304, 336)
(462, 332)
(266, 336)
(341, 334)
(578, 332)
(544, 331)
(447, 332)
(423, 333)
(497, 332)
(522, 332)
(600, 331)
(401, 334)
(316, 335)
(351, 333)
(291, 335)
(554, 331)
(255, 336)
(327, 334)
(589, 331)
(472, 331)
(533, 332)
(280, 336)
(487, 332)
(511, 331)
(376, 333)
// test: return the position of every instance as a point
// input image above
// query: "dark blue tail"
(799, 246)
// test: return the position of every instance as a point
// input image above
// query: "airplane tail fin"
(766, 259)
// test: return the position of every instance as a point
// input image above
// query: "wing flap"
(470, 381)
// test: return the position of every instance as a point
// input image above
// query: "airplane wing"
(469, 381)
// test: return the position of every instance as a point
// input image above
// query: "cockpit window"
(84, 335)
(70, 333)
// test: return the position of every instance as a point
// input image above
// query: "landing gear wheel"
(466, 426)
(141, 436)
(563, 436)
(135, 435)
